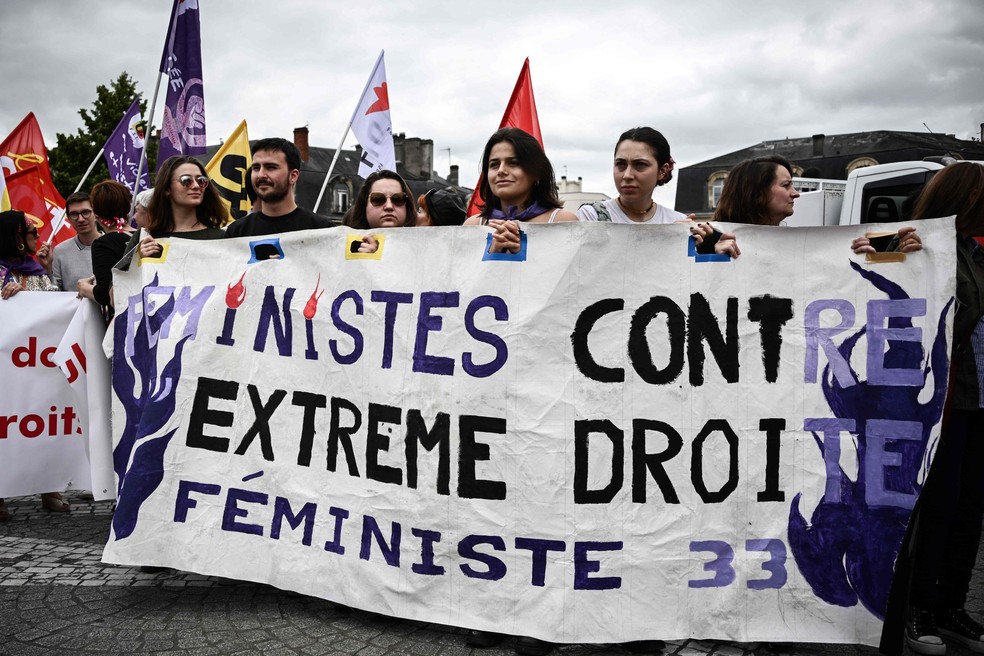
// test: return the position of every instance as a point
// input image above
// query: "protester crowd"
(517, 187)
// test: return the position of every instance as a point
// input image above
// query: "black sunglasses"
(377, 199)
(186, 180)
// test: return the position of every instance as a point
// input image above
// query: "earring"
(20, 248)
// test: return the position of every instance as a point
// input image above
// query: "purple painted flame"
(138, 458)
(847, 550)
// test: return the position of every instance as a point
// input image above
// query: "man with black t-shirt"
(276, 166)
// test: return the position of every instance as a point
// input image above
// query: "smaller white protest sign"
(42, 432)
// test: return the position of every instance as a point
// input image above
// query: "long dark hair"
(656, 142)
(211, 212)
(957, 189)
(356, 216)
(746, 193)
(533, 161)
(13, 224)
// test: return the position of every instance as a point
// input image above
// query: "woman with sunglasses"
(384, 201)
(19, 271)
(184, 205)
(18, 247)
(517, 185)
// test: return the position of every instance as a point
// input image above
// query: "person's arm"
(563, 216)
(85, 287)
(105, 254)
(44, 255)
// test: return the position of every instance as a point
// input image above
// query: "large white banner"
(46, 441)
(604, 438)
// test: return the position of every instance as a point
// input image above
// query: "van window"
(891, 201)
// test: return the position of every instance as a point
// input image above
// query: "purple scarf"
(512, 213)
(27, 266)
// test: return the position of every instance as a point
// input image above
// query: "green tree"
(73, 153)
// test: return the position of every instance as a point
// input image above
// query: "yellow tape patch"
(357, 240)
(166, 245)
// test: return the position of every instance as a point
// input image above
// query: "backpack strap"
(601, 211)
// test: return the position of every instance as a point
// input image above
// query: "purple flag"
(183, 131)
(123, 148)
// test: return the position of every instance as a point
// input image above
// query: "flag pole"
(338, 152)
(143, 151)
(153, 105)
(60, 220)
(89, 170)
(331, 167)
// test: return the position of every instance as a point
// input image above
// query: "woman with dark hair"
(384, 201)
(18, 247)
(758, 191)
(184, 205)
(19, 271)
(111, 205)
(517, 185)
(642, 163)
(947, 519)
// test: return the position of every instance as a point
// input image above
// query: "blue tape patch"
(265, 249)
(698, 257)
(515, 257)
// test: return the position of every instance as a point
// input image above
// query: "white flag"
(372, 125)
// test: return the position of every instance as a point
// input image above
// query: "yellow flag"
(228, 169)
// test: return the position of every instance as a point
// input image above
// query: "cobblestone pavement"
(57, 597)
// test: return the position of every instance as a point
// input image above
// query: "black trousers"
(948, 532)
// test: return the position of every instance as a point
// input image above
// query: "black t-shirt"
(257, 223)
(106, 252)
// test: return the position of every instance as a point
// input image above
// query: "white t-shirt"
(662, 215)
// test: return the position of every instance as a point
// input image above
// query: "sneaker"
(921, 633)
(955, 624)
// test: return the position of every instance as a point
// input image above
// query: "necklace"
(627, 210)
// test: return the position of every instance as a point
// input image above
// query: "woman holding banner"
(642, 163)
(517, 185)
(184, 204)
(19, 272)
(18, 246)
(948, 517)
(384, 201)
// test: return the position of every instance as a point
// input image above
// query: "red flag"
(25, 189)
(23, 149)
(520, 113)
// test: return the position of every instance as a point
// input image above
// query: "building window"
(715, 184)
(340, 196)
(860, 163)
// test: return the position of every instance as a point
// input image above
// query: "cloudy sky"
(712, 75)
